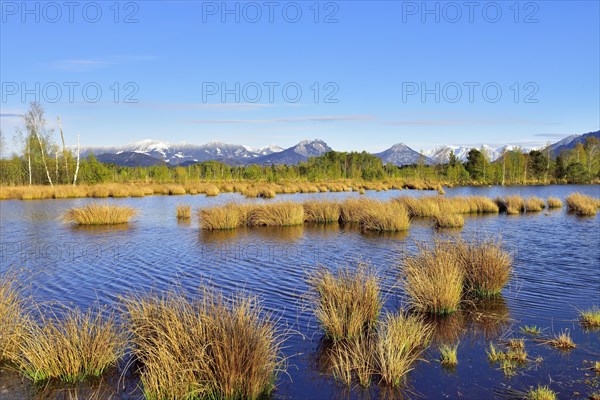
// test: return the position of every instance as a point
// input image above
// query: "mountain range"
(151, 152)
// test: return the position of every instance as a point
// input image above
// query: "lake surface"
(557, 272)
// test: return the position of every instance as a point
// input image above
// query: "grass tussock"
(511, 204)
(321, 211)
(385, 217)
(13, 316)
(212, 190)
(554, 202)
(448, 355)
(213, 347)
(561, 341)
(229, 216)
(448, 220)
(353, 210)
(100, 214)
(531, 330)
(347, 302)
(534, 204)
(433, 279)
(590, 318)
(487, 266)
(184, 211)
(276, 214)
(71, 346)
(402, 338)
(353, 359)
(541, 393)
(582, 205)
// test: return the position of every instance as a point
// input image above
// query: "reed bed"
(276, 214)
(385, 217)
(212, 190)
(448, 220)
(347, 302)
(100, 214)
(229, 216)
(421, 207)
(487, 266)
(71, 346)
(511, 204)
(183, 211)
(590, 318)
(582, 205)
(401, 340)
(353, 210)
(13, 316)
(209, 347)
(321, 211)
(433, 279)
(554, 202)
(534, 204)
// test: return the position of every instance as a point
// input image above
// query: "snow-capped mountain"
(298, 153)
(400, 154)
(441, 155)
(180, 153)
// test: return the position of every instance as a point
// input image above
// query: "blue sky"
(424, 74)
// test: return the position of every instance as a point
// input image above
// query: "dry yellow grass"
(581, 204)
(13, 316)
(211, 190)
(421, 207)
(402, 338)
(554, 202)
(229, 216)
(100, 214)
(433, 279)
(276, 214)
(70, 346)
(590, 318)
(321, 211)
(385, 217)
(487, 266)
(511, 204)
(209, 347)
(562, 341)
(448, 220)
(347, 302)
(534, 204)
(353, 358)
(184, 211)
(352, 210)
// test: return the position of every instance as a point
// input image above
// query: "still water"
(557, 272)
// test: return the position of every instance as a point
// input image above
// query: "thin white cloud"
(328, 118)
(89, 64)
(469, 122)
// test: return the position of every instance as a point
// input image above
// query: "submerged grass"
(70, 346)
(433, 279)
(347, 302)
(582, 205)
(210, 347)
(100, 214)
(13, 316)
